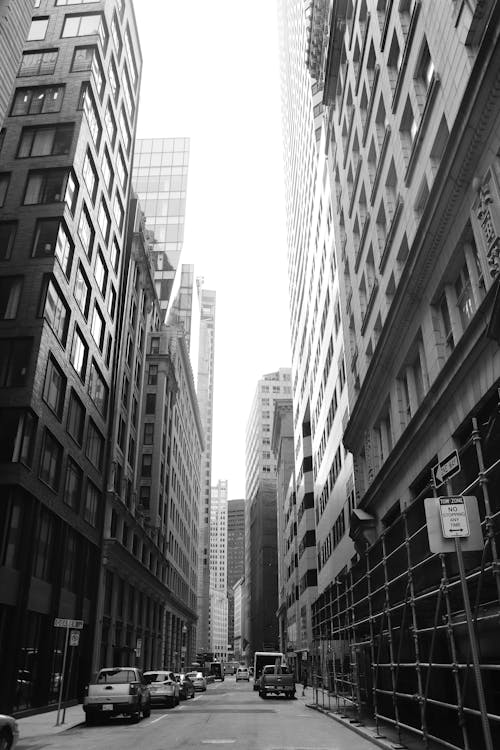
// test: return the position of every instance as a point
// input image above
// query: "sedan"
(186, 687)
(9, 732)
(199, 682)
(242, 673)
(163, 687)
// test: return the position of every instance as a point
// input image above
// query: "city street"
(228, 714)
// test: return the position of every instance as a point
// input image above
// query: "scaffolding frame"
(390, 634)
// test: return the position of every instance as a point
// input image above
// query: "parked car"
(199, 682)
(163, 687)
(242, 673)
(186, 687)
(9, 732)
(117, 691)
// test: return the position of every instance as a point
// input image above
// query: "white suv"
(242, 673)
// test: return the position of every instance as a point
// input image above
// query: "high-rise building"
(323, 469)
(15, 20)
(288, 547)
(259, 629)
(160, 174)
(235, 557)
(218, 571)
(66, 158)
(412, 115)
(205, 392)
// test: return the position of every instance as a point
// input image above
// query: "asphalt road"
(228, 714)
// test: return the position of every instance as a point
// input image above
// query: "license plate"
(107, 707)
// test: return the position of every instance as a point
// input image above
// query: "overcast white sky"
(211, 73)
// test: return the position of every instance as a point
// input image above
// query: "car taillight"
(133, 687)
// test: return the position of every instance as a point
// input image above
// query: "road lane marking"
(217, 742)
(153, 721)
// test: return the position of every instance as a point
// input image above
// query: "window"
(50, 461)
(107, 171)
(91, 507)
(152, 374)
(42, 62)
(81, 291)
(128, 95)
(147, 461)
(43, 546)
(97, 327)
(15, 355)
(155, 345)
(115, 255)
(37, 100)
(87, 103)
(87, 58)
(150, 403)
(54, 388)
(17, 437)
(425, 67)
(124, 130)
(10, 294)
(110, 123)
(113, 80)
(51, 140)
(446, 323)
(45, 186)
(90, 175)
(38, 29)
(94, 449)
(101, 273)
(122, 170)
(71, 195)
(465, 299)
(118, 211)
(54, 309)
(98, 390)
(115, 35)
(72, 485)
(76, 418)
(7, 236)
(149, 430)
(104, 220)
(86, 231)
(51, 238)
(4, 184)
(86, 24)
(111, 302)
(130, 58)
(79, 352)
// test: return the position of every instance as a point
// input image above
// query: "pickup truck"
(275, 680)
(117, 691)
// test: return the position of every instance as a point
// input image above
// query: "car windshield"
(116, 676)
(157, 677)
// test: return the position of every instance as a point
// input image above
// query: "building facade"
(160, 175)
(323, 468)
(235, 558)
(66, 160)
(205, 392)
(412, 116)
(15, 20)
(260, 628)
(218, 571)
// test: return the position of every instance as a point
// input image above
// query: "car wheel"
(171, 702)
(262, 694)
(90, 719)
(192, 694)
(177, 700)
(146, 712)
(6, 740)
(136, 716)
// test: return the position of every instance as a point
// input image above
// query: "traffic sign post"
(74, 626)
(454, 520)
(446, 468)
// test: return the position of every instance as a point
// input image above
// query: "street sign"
(74, 638)
(454, 520)
(446, 468)
(62, 623)
(440, 543)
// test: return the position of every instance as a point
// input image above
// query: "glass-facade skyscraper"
(160, 179)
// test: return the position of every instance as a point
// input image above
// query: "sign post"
(68, 624)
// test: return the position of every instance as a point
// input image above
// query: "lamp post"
(183, 647)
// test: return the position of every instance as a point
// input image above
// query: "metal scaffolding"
(391, 637)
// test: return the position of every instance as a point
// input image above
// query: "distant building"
(205, 392)
(160, 176)
(238, 607)
(260, 626)
(15, 20)
(218, 571)
(235, 556)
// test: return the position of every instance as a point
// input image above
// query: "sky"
(211, 73)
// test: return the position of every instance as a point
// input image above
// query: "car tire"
(177, 701)
(6, 740)
(136, 716)
(192, 694)
(262, 694)
(146, 712)
(90, 719)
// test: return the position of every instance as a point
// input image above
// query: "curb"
(358, 728)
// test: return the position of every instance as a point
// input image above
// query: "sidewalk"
(40, 725)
